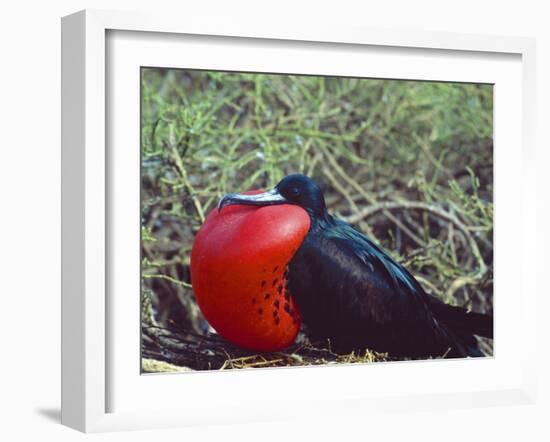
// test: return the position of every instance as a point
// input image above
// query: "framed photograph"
(251, 211)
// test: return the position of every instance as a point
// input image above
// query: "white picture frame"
(87, 210)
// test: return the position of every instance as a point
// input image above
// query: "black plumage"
(350, 291)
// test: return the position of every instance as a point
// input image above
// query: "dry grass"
(211, 352)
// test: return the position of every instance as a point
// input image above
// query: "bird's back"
(352, 292)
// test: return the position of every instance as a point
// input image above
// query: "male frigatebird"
(350, 291)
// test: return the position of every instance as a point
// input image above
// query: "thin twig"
(176, 158)
(439, 212)
(168, 278)
(370, 199)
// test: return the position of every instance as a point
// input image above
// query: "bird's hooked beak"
(268, 198)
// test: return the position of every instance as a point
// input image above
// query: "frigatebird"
(351, 292)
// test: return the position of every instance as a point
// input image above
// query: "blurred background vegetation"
(410, 163)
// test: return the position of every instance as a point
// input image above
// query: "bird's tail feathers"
(461, 321)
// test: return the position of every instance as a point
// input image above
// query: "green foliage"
(272, 124)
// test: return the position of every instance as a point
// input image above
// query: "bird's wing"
(392, 274)
(344, 275)
(351, 290)
(402, 280)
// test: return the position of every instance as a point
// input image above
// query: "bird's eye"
(294, 191)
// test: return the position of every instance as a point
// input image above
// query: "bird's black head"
(294, 189)
(304, 192)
